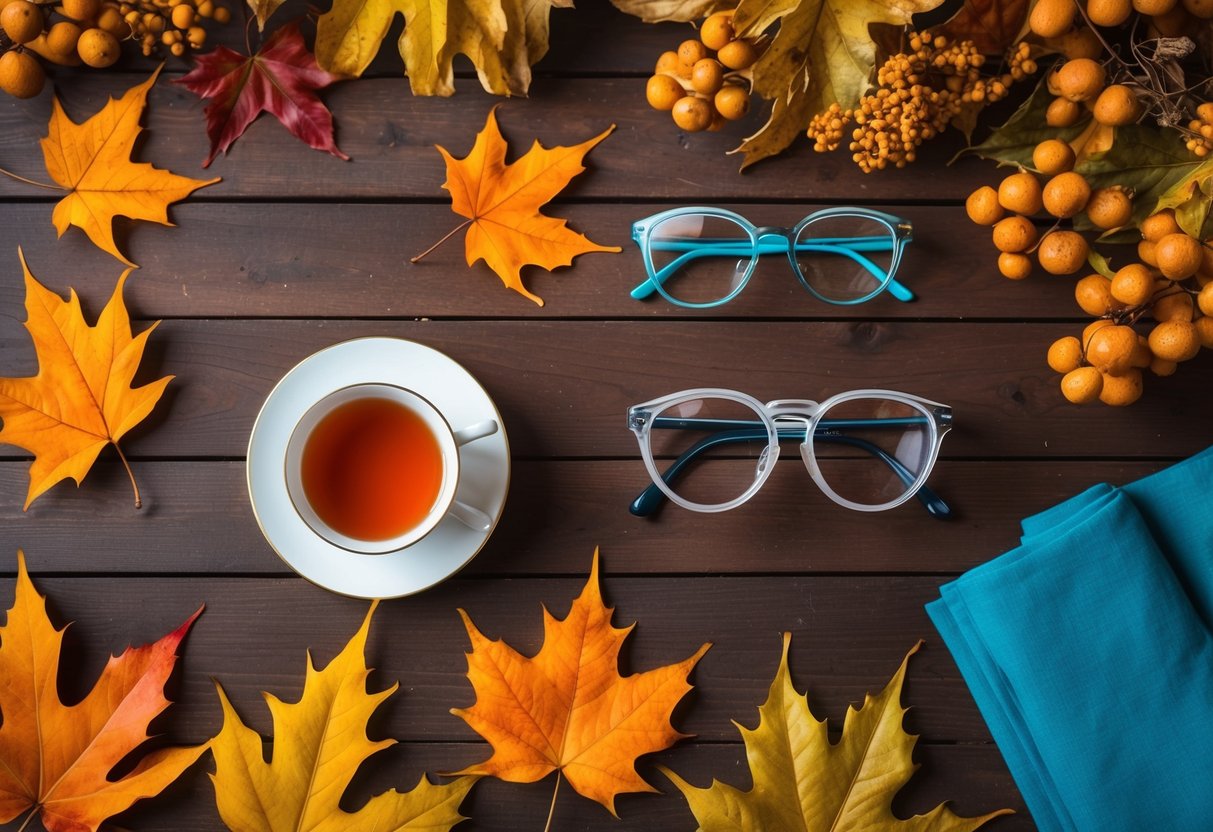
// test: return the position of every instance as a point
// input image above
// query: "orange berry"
(732, 102)
(98, 48)
(1116, 106)
(662, 92)
(1014, 234)
(1014, 266)
(1121, 390)
(1110, 349)
(690, 52)
(1065, 354)
(81, 10)
(1175, 305)
(1083, 385)
(1205, 299)
(1174, 341)
(1053, 156)
(717, 31)
(1204, 331)
(692, 114)
(21, 21)
(1062, 113)
(1109, 208)
(739, 54)
(1094, 295)
(1066, 194)
(1157, 226)
(982, 206)
(1080, 79)
(1133, 284)
(1020, 193)
(1062, 252)
(1178, 255)
(21, 76)
(707, 76)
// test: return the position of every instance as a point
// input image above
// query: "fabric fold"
(1089, 652)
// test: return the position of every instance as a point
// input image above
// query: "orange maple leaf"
(56, 758)
(568, 709)
(502, 205)
(92, 160)
(82, 399)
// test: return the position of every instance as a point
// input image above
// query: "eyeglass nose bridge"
(773, 239)
(801, 408)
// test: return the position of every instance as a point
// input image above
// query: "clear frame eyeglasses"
(711, 450)
(700, 258)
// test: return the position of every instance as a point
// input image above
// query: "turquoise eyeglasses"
(699, 258)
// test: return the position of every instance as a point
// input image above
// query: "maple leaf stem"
(12, 175)
(446, 237)
(33, 810)
(552, 811)
(131, 474)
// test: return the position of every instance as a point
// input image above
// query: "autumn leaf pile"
(566, 710)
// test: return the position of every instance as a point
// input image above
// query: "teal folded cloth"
(1088, 649)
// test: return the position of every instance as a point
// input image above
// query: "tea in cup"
(374, 468)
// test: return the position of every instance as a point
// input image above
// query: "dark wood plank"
(972, 778)
(563, 387)
(390, 135)
(196, 519)
(849, 635)
(332, 260)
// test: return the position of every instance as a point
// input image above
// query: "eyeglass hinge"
(638, 419)
(944, 415)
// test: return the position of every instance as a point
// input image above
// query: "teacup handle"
(473, 518)
(473, 432)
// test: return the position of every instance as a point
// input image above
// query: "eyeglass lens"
(709, 450)
(700, 258)
(845, 258)
(871, 451)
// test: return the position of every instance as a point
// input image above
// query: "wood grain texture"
(351, 260)
(849, 635)
(556, 510)
(563, 387)
(391, 136)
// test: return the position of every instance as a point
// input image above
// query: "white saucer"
(484, 478)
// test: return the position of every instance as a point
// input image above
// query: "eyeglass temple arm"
(652, 497)
(846, 246)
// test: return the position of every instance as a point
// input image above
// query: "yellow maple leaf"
(81, 399)
(56, 759)
(822, 53)
(503, 38)
(803, 781)
(502, 202)
(319, 743)
(92, 161)
(568, 709)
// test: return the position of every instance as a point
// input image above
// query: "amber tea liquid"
(372, 469)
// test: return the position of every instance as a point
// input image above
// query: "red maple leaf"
(280, 79)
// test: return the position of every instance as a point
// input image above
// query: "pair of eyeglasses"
(711, 450)
(703, 257)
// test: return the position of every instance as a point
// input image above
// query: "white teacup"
(449, 441)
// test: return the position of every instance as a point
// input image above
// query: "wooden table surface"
(296, 250)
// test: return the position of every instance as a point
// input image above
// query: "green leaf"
(1151, 162)
(1100, 263)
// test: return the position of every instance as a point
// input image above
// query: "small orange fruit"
(1065, 354)
(1121, 390)
(1111, 349)
(98, 48)
(21, 76)
(1175, 341)
(1082, 386)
